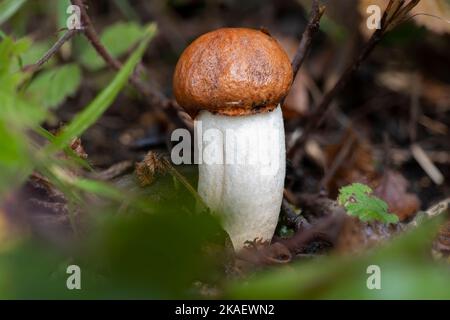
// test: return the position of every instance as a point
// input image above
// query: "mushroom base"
(242, 171)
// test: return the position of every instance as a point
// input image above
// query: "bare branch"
(52, 51)
(307, 36)
(171, 110)
(312, 27)
(394, 13)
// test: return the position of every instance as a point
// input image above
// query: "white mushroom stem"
(242, 170)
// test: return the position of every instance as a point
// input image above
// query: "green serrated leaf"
(358, 201)
(53, 86)
(117, 39)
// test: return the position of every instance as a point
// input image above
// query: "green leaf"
(117, 39)
(53, 86)
(358, 201)
(8, 8)
(14, 158)
(98, 106)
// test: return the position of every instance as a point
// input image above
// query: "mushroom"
(230, 81)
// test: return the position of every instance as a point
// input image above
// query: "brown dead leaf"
(77, 147)
(352, 160)
(147, 169)
(355, 235)
(392, 188)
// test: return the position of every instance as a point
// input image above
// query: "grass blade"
(8, 8)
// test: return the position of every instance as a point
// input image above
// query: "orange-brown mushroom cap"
(232, 71)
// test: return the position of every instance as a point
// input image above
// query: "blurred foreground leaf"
(17, 114)
(127, 254)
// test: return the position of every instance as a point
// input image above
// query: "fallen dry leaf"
(355, 235)
(149, 168)
(353, 161)
(392, 188)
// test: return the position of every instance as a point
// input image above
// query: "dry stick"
(52, 51)
(155, 97)
(320, 113)
(415, 107)
(307, 36)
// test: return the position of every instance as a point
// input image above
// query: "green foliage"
(17, 114)
(8, 8)
(51, 87)
(358, 201)
(128, 253)
(96, 108)
(117, 39)
(163, 253)
(152, 242)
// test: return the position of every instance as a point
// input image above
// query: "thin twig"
(312, 27)
(91, 35)
(154, 97)
(320, 112)
(52, 51)
(291, 218)
(307, 36)
(390, 18)
(427, 164)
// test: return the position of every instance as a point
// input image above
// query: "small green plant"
(358, 201)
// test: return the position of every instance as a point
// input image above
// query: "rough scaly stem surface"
(242, 171)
